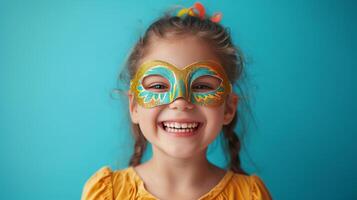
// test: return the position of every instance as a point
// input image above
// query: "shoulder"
(108, 184)
(249, 186)
(99, 185)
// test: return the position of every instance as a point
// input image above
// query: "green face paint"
(202, 83)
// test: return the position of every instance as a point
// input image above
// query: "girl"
(181, 74)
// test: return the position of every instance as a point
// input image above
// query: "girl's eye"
(158, 86)
(202, 88)
(156, 83)
(205, 83)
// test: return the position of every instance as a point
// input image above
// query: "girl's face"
(181, 129)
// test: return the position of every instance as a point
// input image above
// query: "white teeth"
(177, 125)
(174, 130)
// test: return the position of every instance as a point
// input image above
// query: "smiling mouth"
(180, 128)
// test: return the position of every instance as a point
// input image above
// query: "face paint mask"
(158, 83)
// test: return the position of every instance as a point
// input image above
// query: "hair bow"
(198, 10)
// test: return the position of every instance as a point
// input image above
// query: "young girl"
(180, 98)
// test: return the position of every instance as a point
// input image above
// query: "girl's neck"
(176, 172)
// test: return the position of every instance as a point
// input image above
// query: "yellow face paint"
(202, 83)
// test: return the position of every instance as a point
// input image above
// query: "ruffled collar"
(216, 190)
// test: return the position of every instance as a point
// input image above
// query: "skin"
(179, 168)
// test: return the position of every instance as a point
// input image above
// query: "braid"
(139, 146)
(234, 146)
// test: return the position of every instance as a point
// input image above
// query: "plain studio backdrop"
(59, 61)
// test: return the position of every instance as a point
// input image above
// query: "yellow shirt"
(106, 184)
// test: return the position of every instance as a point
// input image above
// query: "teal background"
(59, 61)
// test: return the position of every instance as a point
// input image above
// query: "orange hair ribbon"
(198, 10)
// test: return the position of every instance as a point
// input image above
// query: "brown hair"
(230, 56)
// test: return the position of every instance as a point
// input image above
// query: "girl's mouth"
(181, 128)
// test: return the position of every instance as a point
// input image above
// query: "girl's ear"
(230, 108)
(133, 109)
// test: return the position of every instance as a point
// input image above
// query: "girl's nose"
(181, 104)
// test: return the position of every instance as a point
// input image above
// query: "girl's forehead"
(180, 51)
(160, 66)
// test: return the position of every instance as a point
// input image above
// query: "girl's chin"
(181, 147)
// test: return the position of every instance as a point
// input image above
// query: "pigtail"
(234, 146)
(139, 146)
